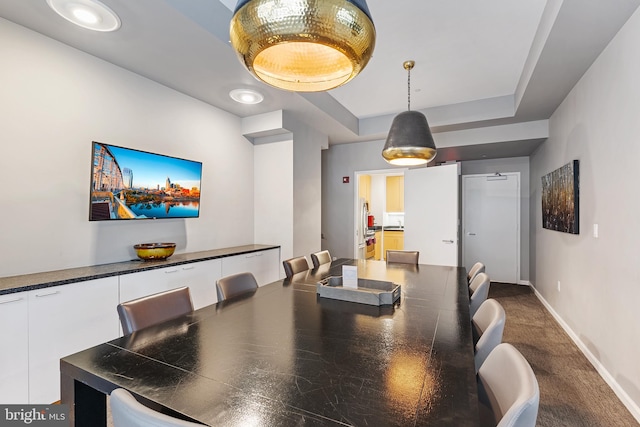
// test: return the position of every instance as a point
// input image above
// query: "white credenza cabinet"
(14, 356)
(263, 264)
(39, 327)
(199, 276)
(64, 320)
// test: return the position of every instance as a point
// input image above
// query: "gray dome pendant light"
(409, 142)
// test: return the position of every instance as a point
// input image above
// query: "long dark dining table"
(286, 357)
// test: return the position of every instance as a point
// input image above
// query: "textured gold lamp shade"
(303, 45)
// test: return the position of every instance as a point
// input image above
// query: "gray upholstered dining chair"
(235, 285)
(319, 258)
(476, 269)
(126, 411)
(488, 327)
(479, 289)
(404, 257)
(152, 309)
(295, 265)
(508, 391)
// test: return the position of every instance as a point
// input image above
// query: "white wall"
(274, 196)
(55, 101)
(598, 124)
(307, 187)
(338, 199)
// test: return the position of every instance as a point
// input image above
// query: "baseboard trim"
(604, 373)
(525, 283)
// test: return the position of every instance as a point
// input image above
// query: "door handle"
(471, 234)
(447, 241)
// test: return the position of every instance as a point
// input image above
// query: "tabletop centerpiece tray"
(372, 292)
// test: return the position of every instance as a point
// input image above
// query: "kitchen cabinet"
(393, 240)
(64, 320)
(364, 188)
(395, 193)
(14, 357)
(378, 251)
(199, 276)
(265, 265)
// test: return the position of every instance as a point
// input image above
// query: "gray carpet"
(572, 393)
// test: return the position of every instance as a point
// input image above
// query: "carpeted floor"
(572, 393)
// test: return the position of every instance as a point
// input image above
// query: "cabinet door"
(143, 283)
(263, 264)
(378, 250)
(14, 356)
(64, 320)
(200, 277)
(395, 194)
(266, 266)
(393, 240)
(364, 187)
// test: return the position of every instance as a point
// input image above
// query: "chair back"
(128, 412)
(295, 265)
(508, 391)
(152, 309)
(404, 257)
(477, 268)
(488, 326)
(479, 288)
(235, 285)
(319, 258)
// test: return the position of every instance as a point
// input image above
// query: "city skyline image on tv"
(132, 184)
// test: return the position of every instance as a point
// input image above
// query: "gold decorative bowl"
(154, 251)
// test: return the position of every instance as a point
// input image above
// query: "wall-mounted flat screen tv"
(132, 184)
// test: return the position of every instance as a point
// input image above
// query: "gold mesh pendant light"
(409, 142)
(303, 45)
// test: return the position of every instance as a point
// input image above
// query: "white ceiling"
(487, 75)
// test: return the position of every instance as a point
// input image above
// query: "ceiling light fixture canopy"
(90, 14)
(303, 45)
(409, 142)
(246, 96)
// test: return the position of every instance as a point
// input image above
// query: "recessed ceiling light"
(90, 14)
(246, 96)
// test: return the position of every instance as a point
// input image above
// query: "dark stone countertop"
(27, 282)
(386, 228)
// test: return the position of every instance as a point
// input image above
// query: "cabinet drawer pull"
(188, 268)
(47, 295)
(171, 271)
(11, 300)
(447, 241)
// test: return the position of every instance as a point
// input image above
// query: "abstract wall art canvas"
(560, 199)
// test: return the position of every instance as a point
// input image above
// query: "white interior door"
(431, 213)
(491, 224)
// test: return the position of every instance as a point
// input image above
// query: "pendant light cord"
(408, 65)
(409, 89)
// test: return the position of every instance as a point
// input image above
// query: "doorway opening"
(378, 213)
